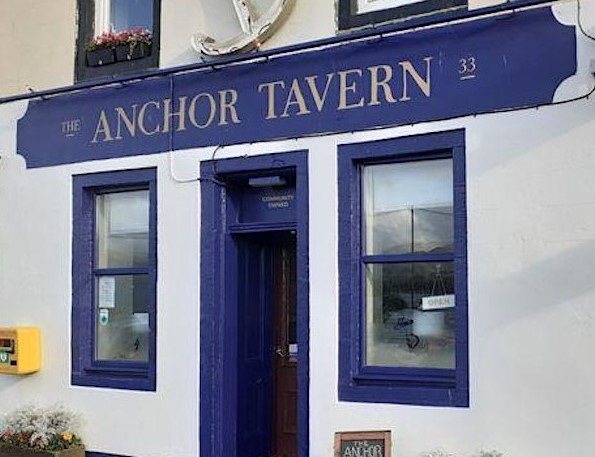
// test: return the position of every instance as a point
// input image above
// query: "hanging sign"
(360, 444)
(437, 302)
(478, 66)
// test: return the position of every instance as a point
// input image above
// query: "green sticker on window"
(4, 357)
(104, 316)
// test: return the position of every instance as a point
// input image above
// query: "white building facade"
(378, 216)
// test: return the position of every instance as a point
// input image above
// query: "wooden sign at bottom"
(363, 444)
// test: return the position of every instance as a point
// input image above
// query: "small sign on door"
(369, 444)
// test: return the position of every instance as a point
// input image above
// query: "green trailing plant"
(33, 427)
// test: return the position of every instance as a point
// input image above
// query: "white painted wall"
(37, 41)
(309, 20)
(35, 289)
(531, 245)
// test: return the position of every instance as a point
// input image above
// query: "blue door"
(255, 377)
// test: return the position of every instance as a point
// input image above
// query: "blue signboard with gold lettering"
(492, 64)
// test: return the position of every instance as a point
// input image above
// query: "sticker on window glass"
(107, 292)
(104, 317)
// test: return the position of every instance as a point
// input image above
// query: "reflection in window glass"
(131, 13)
(122, 229)
(118, 15)
(122, 320)
(410, 319)
(408, 207)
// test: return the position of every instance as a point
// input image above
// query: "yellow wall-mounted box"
(20, 350)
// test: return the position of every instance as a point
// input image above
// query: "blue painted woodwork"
(86, 371)
(219, 338)
(267, 204)
(358, 382)
(255, 377)
(463, 71)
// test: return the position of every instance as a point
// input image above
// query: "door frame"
(218, 330)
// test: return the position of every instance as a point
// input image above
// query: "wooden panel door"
(285, 350)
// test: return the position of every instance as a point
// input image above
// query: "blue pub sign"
(494, 64)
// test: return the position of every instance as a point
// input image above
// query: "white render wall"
(531, 250)
(38, 38)
(37, 41)
(531, 222)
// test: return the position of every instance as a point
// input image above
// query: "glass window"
(122, 321)
(95, 59)
(118, 15)
(400, 332)
(122, 240)
(122, 221)
(407, 209)
(402, 271)
(114, 279)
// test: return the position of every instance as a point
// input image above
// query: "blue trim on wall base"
(218, 335)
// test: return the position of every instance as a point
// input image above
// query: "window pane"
(125, 14)
(122, 319)
(408, 207)
(410, 319)
(122, 229)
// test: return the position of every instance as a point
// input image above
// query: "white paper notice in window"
(107, 292)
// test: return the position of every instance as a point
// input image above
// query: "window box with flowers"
(40, 432)
(110, 47)
(134, 44)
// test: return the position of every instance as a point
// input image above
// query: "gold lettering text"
(271, 96)
(102, 128)
(295, 97)
(423, 84)
(141, 119)
(348, 85)
(180, 114)
(376, 83)
(226, 105)
(129, 122)
(319, 99)
(212, 110)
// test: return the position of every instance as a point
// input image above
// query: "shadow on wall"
(541, 285)
(510, 136)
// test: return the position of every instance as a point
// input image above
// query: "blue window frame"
(403, 271)
(114, 273)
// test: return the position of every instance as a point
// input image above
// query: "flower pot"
(18, 452)
(132, 51)
(101, 56)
